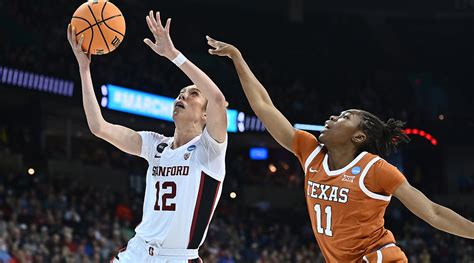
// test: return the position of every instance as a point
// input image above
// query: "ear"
(359, 137)
(204, 116)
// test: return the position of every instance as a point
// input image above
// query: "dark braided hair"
(382, 138)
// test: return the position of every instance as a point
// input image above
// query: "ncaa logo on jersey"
(191, 148)
(160, 148)
(355, 170)
(347, 178)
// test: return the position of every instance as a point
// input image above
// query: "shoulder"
(152, 138)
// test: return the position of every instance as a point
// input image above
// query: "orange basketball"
(102, 24)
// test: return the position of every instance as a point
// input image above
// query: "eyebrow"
(346, 112)
(194, 89)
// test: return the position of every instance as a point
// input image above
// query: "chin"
(321, 138)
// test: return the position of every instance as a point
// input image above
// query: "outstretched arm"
(121, 137)
(278, 126)
(436, 215)
(216, 113)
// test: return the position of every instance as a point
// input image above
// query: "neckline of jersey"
(340, 171)
(184, 145)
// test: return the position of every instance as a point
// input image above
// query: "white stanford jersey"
(183, 187)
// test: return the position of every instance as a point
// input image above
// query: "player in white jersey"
(185, 174)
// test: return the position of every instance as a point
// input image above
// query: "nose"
(182, 96)
(333, 118)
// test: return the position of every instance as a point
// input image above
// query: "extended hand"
(83, 59)
(221, 48)
(163, 45)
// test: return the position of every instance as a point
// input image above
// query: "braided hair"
(382, 137)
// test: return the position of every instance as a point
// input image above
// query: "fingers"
(73, 37)
(158, 19)
(150, 24)
(168, 25)
(149, 43)
(69, 33)
(152, 19)
(211, 42)
(210, 38)
(79, 43)
(212, 51)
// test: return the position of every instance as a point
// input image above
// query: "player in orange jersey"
(347, 185)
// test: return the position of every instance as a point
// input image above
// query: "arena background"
(66, 196)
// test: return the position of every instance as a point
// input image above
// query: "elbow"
(96, 130)
(434, 214)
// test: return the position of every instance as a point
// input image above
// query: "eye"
(194, 93)
(345, 117)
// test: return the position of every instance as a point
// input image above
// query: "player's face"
(341, 129)
(190, 105)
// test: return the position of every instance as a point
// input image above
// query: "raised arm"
(216, 114)
(121, 137)
(436, 215)
(278, 126)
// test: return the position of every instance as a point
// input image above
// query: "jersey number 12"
(328, 211)
(164, 205)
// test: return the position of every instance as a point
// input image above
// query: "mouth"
(179, 104)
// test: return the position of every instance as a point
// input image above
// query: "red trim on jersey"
(196, 207)
(214, 202)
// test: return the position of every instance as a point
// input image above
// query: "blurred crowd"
(322, 75)
(51, 220)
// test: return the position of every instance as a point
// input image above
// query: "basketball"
(102, 24)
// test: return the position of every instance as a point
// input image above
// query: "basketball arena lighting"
(308, 127)
(146, 104)
(34, 81)
(258, 153)
(422, 133)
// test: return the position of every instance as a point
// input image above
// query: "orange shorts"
(388, 253)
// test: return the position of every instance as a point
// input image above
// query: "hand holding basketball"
(221, 48)
(163, 45)
(83, 59)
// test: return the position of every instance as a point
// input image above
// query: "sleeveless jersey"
(183, 187)
(346, 206)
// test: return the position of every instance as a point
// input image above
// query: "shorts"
(137, 250)
(387, 253)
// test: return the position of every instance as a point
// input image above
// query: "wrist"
(236, 55)
(172, 54)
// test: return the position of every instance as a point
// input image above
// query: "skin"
(342, 137)
(194, 107)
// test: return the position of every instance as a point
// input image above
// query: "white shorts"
(137, 250)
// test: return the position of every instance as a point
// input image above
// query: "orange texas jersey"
(346, 206)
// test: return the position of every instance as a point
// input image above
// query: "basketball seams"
(92, 25)
(92, 14)
(103, 20)
(92, 36)
(102, 33)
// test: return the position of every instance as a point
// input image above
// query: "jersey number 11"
(328, 211)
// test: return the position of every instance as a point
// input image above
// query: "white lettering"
(343, 195)
(333, 195)
(323, 195)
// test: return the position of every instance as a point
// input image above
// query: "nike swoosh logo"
(313, 170)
